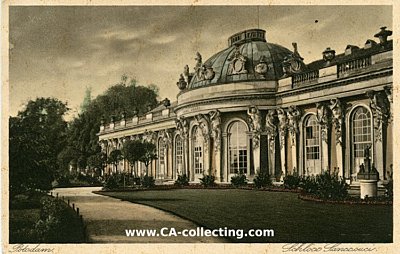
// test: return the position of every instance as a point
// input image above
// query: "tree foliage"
(132, 151)
(97, 162)
(125, 98)
(115, 157)
(37, 137)
(148, 155)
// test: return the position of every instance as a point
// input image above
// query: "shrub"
(183, 180)
(63, 181)
(389, 189)
(262, 179)
(147, 181)
(331, 187)
(239, 180)
(136, 180)
(309, 185)
(207, 180)
(291, 182)
(26, 201)
(55, 221)
(325, 186)
(111, 182)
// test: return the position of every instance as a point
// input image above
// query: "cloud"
(58, 51)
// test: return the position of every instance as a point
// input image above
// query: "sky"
(59, 51)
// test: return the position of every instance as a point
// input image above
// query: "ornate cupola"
(248, 58)
(246, 36)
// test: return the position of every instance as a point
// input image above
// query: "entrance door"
(198, 154)
(312, 147)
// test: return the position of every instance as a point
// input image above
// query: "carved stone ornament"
(182, 84)
(166, 136)
(186, 74)
(203, 123)
(293, 63)
(215, 119)
(328, 54)
(149, 136)
(114, 143)
(271, 123)
(323, 120)
(203, 72)
(294, 115)
(389, 94)
(237, 63)
(182, 127)
(254, 120)
(283, 125)
(379, 105)
(262, 67)
(103, 145)
(337, 118)
(110, 143)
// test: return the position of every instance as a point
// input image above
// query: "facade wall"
(305, 124)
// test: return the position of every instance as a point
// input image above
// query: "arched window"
(161, 159)
(312, 146)
(237, 145)
(361, 135)
(179, 155)
(198, 151)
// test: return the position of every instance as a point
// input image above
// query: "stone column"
(170, 166)
(293, 118)
(254, 119)
(338, 119)
(256, 152)
(323, 119)
(225, 170)
(250, 167)
(215, 123)
(217, 156)
(207, 157)
(379, 105)
(325, 149)
(283, 157)
(293, 149)
(272, 131)
(190, 158)
(283, 125)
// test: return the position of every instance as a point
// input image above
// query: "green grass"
(292, 220)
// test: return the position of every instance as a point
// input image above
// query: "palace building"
(257, 107)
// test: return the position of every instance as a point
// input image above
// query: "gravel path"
(107, 218)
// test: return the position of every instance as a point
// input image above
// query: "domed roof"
(249, 57)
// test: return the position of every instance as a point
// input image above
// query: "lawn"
(292, 220)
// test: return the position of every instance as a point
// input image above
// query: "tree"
(124, 97)
(132, 151)
(86, 101)
(37, 137)
(97, 162)
(115, 157)
(149, 154)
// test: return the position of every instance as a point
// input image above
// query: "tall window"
(197, 151)
(161, 158)
(237, 148)
(179, 154)
(312, 146)
(362, 135)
